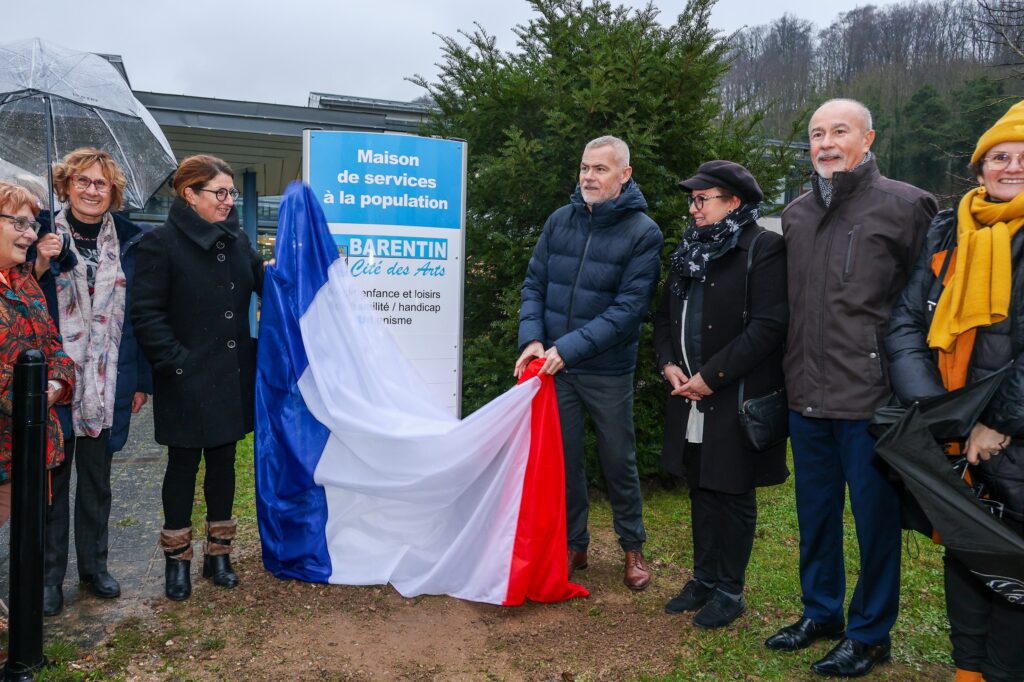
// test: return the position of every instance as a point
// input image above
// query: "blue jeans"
(830, 455)
(609, 402)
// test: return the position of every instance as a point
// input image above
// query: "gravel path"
(134, 559)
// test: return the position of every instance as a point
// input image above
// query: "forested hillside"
(935, 75)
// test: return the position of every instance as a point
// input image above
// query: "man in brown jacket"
(851, 244)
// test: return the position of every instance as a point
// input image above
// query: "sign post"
(396, 207)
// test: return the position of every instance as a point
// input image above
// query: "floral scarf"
(91, 328)
(701, 245)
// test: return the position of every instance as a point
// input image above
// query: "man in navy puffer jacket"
(591, 278)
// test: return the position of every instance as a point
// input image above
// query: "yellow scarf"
(978, 293)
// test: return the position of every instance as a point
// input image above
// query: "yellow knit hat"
(1010, 128)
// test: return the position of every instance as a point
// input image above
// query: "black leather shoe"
(693, 596)
(102, 584)
(219, 568)
(53, 600)
(721, 610)
(177, 579)
(851, 658)
(802, 634)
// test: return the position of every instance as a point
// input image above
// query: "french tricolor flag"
(363, 479)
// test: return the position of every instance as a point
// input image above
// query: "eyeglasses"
(83, 183)
(21, 224)
(1000, 160)
(222, 194)
(699, 200)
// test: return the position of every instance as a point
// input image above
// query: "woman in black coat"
(705, 351)
(195, 276)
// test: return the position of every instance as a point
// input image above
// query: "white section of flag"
(415, 496)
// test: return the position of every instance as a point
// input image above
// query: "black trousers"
(609, 402)
(180, 484)
(91, 458)
(986, 630)
(723, 529)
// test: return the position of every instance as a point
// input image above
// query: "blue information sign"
(374, 179)
(395, 205)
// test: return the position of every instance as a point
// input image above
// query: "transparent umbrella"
(54, 100)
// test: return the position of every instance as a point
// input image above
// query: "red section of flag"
(539, 569)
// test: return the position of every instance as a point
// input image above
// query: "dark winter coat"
(590, 281)
(731, 352)
(914, 366)
(133, 371)
(847, 265)
(193, 284)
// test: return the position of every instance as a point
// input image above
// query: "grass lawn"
(612, 635)
(920, 637)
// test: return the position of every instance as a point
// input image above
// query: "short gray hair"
(620, 147)
(858, 105)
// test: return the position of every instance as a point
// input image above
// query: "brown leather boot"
(576, 560)
(217, 551)
(638, 575)
(177, 546)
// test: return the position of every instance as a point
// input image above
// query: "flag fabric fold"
(362, 478)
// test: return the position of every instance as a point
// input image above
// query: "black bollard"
(28, 508)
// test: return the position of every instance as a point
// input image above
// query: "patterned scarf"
(701, 245)
(91, 328)
(825, 187)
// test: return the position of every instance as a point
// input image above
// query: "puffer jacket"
(913, 366)
(847, 264)
(590, 281)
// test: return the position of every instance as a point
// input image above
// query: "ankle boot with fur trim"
(177, 546)
(217, 559)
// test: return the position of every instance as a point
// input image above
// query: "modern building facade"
(263, 142)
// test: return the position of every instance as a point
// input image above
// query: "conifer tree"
(579, 70)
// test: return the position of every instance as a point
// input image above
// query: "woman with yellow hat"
(961, 318)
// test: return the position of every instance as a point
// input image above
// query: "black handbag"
(765, 419)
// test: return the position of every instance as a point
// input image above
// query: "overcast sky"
(280, 51)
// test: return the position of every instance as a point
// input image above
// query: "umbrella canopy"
(985, 544)
(54, 100)
(8, 171)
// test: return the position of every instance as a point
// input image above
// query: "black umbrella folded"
(987, 545)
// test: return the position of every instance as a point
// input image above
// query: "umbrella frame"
(51, 133)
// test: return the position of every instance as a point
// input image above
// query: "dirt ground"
(273, 629)
(269, 629)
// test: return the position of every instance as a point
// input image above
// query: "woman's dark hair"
(196, 171)
(976, 168)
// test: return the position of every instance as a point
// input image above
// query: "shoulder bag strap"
(746, 301)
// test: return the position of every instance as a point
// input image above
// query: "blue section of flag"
(291, 508)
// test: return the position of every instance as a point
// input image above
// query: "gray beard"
(825, 184)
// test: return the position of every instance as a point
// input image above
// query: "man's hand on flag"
(534, 349)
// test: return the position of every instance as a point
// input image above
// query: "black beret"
(729, 176)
